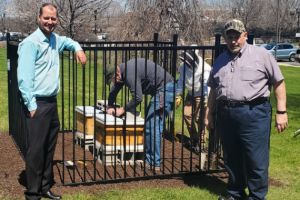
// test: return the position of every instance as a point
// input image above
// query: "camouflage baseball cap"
(234, 24)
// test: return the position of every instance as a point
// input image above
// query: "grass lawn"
(284, 154)
(3, 92)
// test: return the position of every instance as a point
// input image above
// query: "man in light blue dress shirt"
(38, 80)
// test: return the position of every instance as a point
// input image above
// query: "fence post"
(8, 55)
(250, 39)
(173, 73)
(155, 42)
(217, 44)
(173, 70)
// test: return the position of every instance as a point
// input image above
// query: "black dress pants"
(42, 136)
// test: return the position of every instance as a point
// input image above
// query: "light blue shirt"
(38, 65)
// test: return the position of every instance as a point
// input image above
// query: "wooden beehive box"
(85, 118)
(116, 131)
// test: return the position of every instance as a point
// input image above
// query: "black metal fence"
(96, 147)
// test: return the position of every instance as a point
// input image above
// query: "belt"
(47, 99)
(234, 103)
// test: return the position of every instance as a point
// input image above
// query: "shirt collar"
(42, 36)
(243, 49)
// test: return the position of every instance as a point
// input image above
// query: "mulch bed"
(12, 174)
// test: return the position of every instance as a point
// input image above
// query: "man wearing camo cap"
(241, 82)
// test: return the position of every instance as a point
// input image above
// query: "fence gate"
(96, 147)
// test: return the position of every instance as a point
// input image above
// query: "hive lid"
(89, 110)
(109, 119)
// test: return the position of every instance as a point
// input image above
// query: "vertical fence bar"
(95, 151)
(74, 67)
(62, 113)
(250, 39)
(84, 124)
(125, 120)
(155, 41)
(173, 73)
(182, 111)
(90, 79)
(217, 45)
(9, 84)
(200, 122)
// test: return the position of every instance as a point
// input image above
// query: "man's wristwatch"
(281, 112)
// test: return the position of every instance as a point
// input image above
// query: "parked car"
(263, 45)
(297, 56)
(283, 50)
(2, 36)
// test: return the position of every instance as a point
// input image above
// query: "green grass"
(147, 194)
(284, 153)
(3, 92)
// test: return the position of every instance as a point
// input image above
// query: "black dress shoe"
(51, 195)
(226, 198)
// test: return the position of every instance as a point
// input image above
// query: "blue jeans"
(159, 107)
(245, 135)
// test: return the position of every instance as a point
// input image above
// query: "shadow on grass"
(215, 183)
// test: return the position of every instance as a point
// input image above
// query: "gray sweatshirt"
(141, 76)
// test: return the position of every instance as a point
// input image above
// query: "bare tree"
(24, 14)
(194, 20)
(76, 14)
(2, 15)
(262, 15)
(166, 17)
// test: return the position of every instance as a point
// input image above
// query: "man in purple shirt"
(241, 82)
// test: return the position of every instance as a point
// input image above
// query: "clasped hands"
(116, 112)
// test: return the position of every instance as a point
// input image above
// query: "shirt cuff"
(78, 47)
(32, 106)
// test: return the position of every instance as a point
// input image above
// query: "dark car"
(283, 50)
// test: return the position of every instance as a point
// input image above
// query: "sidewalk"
(289, 64)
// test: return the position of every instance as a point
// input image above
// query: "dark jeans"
(42, 137)
(245, 135)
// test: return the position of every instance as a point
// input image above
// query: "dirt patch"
(12, 177)
(275, 183)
